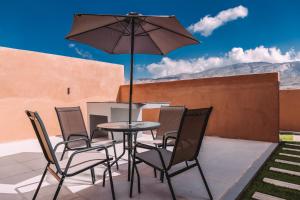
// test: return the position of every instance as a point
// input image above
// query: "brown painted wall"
(290, 110)
(38, 81)
(245, 107)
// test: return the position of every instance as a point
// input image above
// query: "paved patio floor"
(228, 165)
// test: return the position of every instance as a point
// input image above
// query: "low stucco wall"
(245, 107)
(39, 82)
(290, 110)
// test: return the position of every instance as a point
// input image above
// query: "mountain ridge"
(289, 72)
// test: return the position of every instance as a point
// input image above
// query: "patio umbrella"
(130, 34)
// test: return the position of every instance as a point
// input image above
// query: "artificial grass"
(257, 185)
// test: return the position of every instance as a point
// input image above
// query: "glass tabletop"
(125, 126)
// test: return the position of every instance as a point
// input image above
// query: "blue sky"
(40, 25)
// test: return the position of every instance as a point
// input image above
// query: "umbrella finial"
(133, 14)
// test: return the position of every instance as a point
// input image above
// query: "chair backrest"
(169, 119)
(190, 135)
(71, 124)
(42, 136)
(71, 121)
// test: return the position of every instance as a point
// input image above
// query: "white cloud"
(208, 24)
(169, 67)
(82, 53)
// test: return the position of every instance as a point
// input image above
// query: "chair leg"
(138, 177)
(186, 163)
(104, 177)
(204, 180)
(103, 182)
(59, 187)
(170, 186)
(162, 175)
(114, 147)
(40, 183)
(111, 181)
(132, 177)
(93, 175)
(153, 137)
(154, 170)
(64, 151)
(115, 152)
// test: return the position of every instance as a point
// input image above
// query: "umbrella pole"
(131, 69)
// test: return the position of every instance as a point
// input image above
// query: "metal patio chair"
(79, 161)
(169, 119)
(187, 146)
(72, 126)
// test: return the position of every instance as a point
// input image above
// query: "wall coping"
(2, 48)
(265, 77)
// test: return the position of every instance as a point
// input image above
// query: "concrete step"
(290, 149)
(282, 184)
(262, 196)
(285, 171)
(290, 144)
(289, 155)
(287, 162)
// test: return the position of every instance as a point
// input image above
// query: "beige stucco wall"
(245, 107)
(38, 81)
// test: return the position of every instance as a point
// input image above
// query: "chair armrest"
(144, 146)
(97, 148)
(171, 133)
(68, 141)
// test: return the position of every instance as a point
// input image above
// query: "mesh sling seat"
(79, 161)
(187, 146)
(72, 127)
(169, 119)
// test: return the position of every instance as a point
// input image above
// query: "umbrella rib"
(146, 32)
(105, 26)
(161, 52)
(125, 28)
(137, 28)
(114, 29)
(117, 42)
(115, 45)
(171, 31)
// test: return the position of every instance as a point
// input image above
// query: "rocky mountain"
(289, 72)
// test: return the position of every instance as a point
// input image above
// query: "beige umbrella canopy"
(130, 34)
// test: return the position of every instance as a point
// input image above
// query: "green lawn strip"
(270, 189)
(272, 163)
(286, 166)
(290, 152)
(280, 177)
(288, 158)
(292, 142)
(258, 185)
(291, 146)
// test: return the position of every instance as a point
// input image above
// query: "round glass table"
(129, 130)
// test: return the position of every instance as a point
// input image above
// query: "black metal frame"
(165, 169)
(164, 144)
(131, 134)
(83, 135)
(33, 116)
(129, 148)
